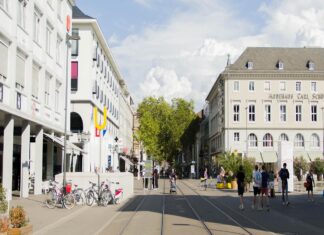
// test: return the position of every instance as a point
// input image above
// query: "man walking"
(264, 187)
(284, 176)
(257, 177)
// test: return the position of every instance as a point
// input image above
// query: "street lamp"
(68, 45)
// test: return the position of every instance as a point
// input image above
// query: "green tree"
(318, 167)
(162, 124)
(300, 164)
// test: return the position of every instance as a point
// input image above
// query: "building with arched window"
(267, 96)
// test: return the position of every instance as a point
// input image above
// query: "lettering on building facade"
(313, 96)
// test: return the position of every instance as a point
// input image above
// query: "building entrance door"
(16, 167)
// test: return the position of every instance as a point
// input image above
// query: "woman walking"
(240, 176)
(310, 184)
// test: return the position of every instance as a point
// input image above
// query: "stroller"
(173, 186)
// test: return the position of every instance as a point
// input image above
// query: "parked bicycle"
(117, 192)
(79, 195)
(56, 196)
(101, 195)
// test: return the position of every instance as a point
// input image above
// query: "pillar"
(85, 159)
(50, 159)
(38, 161)
(8, 138)
(24, 171)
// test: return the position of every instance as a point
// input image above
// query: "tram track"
(228, 216)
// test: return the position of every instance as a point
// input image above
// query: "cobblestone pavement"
(191, 211)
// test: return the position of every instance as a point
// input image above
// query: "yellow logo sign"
(95, 118)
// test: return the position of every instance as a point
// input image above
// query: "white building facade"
(97, 83)
(32, 91)
(269, 95)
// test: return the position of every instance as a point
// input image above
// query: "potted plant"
(19, 222)
(300, 166)
(248, 164)
(229, 180)
(4, 221)
(4, 225)
(231, 162)
(318, 168)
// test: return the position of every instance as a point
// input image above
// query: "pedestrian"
(264, 187)
(156, 179)
(205, 178)
(257, 180)
(310, 183)
(240, 176)
(284, 176)
(271, 183)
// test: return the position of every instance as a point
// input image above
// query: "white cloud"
(163, 82)
(190, 50)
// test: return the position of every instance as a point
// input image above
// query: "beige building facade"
(269, 95)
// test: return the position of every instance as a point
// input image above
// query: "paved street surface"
(191, 211)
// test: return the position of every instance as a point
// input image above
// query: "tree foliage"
(162, 124)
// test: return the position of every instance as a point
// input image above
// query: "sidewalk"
(79, 220)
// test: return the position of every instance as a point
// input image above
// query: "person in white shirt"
(257, 178)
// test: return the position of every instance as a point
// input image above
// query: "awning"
(127, 161)
(256, 155)
(75, 149)
(315, 154)
(302, 154)
(269, 156)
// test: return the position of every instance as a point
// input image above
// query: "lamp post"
(68, 45)
(246, 132)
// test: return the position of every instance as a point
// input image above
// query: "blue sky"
(177, 48)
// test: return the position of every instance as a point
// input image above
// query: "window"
(236, 136)
(74, 75)
(311, 65)
(37, 22)
(236, 86)
(4, 60)
(267, 113)
(267, 140)
(1, 92)
(57, 96)
(282, 86)
(299, 140)
(35, 81)
(314, 113)
(4, 4)
(314, 141)
(236, 110)
(267, 86)
(251, 86)
(249, 65)
(49, 39)
(59, 41)
(101, 96)
(20, 71)
(283, 137)
(313, 87)
(47, 88)
(283, 113)
(252, 113)
(298, 113)
(75, 43)
(298, 86)
(280, 65)
(21, 13)
(253, 141)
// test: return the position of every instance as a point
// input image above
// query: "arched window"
(76, 123)
(267, 140)
(253, 140)
(299, 140)
(314, 141)
(283, 137)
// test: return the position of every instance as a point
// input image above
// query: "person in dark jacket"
(240, 176)
(310, 184)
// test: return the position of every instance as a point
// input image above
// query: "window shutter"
(35, 81)
(4, 60)
(20, 70)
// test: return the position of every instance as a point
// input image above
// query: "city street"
(191, 211)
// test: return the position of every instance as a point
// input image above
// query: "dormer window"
(310, 65)
(280, 65)
(249, 65)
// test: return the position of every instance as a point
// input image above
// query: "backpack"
(258, 178)
(284, 174)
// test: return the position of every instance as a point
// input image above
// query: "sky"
(177, 48)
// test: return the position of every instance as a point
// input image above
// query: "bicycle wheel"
(106, 197)
(119, 199)
(89, 198)
(51, 199)
(68, 201)
(79, 197)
